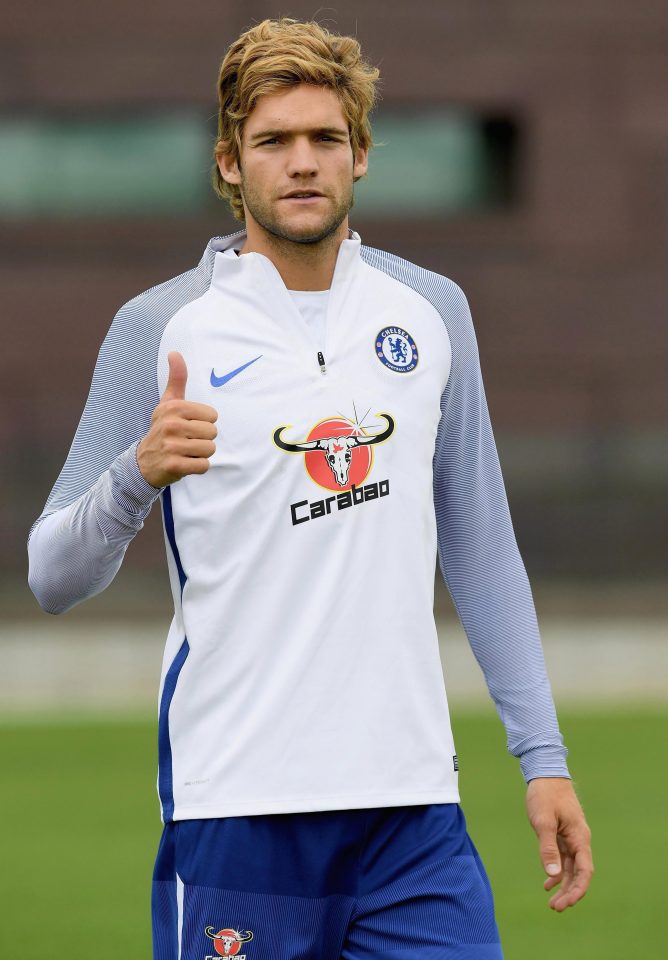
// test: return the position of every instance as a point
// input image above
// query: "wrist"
(140, 464)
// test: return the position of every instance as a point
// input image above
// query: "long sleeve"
(77, 551)
(481, 563)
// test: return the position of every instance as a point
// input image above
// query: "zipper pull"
(321, 361)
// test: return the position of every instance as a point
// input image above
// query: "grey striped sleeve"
(477, 549)
(100, 500)
(76, 551)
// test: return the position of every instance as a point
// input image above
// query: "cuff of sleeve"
(544, 761)
(130, 490)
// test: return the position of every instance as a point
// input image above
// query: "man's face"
(296, 141)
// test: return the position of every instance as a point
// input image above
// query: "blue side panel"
(165, 780)
(165, 775)
(169, 528)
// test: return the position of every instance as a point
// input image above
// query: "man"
(311, 414)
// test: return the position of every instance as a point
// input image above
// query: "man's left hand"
(565, 839)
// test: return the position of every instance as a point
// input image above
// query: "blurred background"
(525, 157)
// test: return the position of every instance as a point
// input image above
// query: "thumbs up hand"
(181, 436)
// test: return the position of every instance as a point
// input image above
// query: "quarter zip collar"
(258, 269)
(254, 280)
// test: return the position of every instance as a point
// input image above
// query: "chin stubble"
(263, 216)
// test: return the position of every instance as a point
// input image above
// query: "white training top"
(301, 670)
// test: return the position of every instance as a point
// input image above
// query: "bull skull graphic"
(225, 939)
(337, 450)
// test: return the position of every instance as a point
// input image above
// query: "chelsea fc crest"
(396, 349)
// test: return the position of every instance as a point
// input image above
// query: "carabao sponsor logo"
(337, 453)
(227, 942)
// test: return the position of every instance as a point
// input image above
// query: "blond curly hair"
(277, 54)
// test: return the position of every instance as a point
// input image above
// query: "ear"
(360, 162)
(229, 168)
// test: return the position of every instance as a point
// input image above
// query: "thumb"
(549, 851)
(178, 375)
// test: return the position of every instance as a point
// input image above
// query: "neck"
(302, 266)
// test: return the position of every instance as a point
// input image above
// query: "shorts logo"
(337, 451)
(227, 942)
(396, 349)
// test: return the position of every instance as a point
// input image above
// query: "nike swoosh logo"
(219, 381)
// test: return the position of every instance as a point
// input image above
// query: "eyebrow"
(337, 131)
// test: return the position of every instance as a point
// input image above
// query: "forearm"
(75, 552)
(499, 617)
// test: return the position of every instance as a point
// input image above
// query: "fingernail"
(552, 868)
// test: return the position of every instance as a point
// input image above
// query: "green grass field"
(80, 827)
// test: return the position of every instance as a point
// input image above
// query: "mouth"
(303, 196)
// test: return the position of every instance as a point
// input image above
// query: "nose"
(302, 160)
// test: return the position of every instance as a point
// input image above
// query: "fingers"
(552, 882)
(561, 895)
(578, 871)
(186, 409)
(178, 376)
(177, 467)
(186, 447)
(173, 426)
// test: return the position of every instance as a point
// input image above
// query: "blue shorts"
(363, 884)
